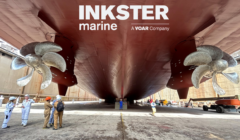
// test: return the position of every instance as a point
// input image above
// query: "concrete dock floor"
(94, 121)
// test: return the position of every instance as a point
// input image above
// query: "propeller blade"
(18, 63)
(216, 87)
(28, 49)
(233, 77)
(198, 73)
(46, 74)
(54, 60)
(215, 52)
(25, 80)
(45, 47)
(197, 58)
(231, 61)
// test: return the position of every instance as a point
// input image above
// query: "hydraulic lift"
(223, 104)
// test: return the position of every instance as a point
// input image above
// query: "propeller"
(39, 56)
(210, 61)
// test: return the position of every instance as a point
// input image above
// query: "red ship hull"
(123, 63)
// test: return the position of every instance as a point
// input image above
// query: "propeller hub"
(33, 60)
(218, 65)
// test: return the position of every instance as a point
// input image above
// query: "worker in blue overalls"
(8, 112)
(121, 104)
(26, 106)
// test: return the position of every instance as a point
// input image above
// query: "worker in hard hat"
(51, 120)
(47, 111)
(153, 105)
(58, 113)
(8, 112)
(26, 106)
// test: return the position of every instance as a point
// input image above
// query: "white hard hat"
(26, 95)
(12, 98)
(59, 97)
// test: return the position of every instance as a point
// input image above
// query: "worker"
(26, 106)
(8, 112)
(51, 120)
(120, 104)
(1, 99)
(157, 102)
(58, 113)
(47, 111)
(17, 101)
(153, 105)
